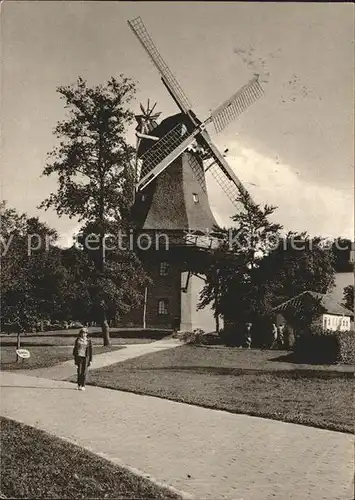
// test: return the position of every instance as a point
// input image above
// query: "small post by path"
(18, 346)
(145, 308)
(21, 354)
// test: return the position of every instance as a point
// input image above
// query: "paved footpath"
(207, 453)
(64, 371)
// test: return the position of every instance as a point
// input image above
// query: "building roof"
(328, 304)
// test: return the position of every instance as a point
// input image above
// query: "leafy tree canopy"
(33, 279)
(95, 177)
(256, 268)
(348, 297)
(92, 161)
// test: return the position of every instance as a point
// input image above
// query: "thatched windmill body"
(171, 198)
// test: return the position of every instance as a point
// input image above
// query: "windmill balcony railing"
(201, 240)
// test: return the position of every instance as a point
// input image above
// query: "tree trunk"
(104, 323)
(105, 327)
(217, 322)
(105, 333)
(18, 346)
(216, 302)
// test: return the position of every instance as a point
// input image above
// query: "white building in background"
(335, 322)
(333, 316)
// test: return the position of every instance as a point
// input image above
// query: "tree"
(95, 178)
(232, 285)
(348, 297)
(81, 272)
(298, 263)
(33, 280)
(254, 234)
(211, 292)
(341, 249)
(259, 269)
(117, 288)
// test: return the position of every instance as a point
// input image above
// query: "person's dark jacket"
(88, 353)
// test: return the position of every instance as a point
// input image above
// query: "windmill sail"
(172, 145)
(177, 140)
(164, 152)
(222, 172)
(169, 79)
(237, 104)
(228, 186)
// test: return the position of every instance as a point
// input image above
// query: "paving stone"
(209, 454)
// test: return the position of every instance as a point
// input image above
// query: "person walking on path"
(82, 353)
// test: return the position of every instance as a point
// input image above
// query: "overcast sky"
(293, 148)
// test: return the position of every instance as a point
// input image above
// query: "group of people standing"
(277, 337)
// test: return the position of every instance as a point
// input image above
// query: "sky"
(294, 148)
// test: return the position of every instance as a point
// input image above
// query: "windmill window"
(163, 307)
(195, 197)
(164, 269)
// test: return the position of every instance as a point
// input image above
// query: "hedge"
(314, 346)
(325, 347)
(346, 347)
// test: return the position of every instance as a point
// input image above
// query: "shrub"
(316, 347)
(230, 336)
(346, 343)
(75, 324)
(199, 337)
(325, 346)
(210, 339)
(290, 340)
(193, 337)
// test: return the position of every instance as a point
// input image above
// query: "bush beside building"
(325, 347)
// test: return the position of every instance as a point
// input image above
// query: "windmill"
(177, 140)
(171, 194)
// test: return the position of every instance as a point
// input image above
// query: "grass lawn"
(67, 337)
(35, 464)
(240, 381)
(43, 339)
(42, 356)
